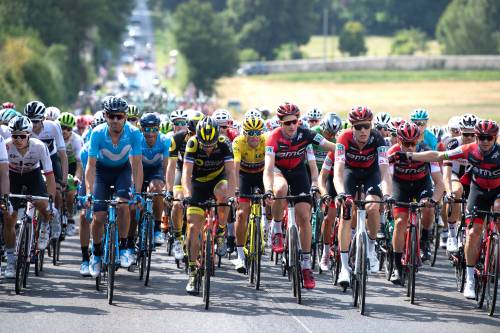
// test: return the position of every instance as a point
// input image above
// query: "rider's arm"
(4, 178)
(428, 156)
(170, 173)
(437, 178)
(231, 176)
(137, 172)
(187, 174)
(64, 164)
(338, 168)
(90, 175)
(327, 145)
(323, 177)
(79, 169)
(313, 167)
(269, 170)
(51, 184)
(447, 172)
(385, 173)
(237, 166)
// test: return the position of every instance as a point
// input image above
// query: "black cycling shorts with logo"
(355, 178)
(33, 181)
(298, 181)
(406, 191)
(482, 199)
(249, 181)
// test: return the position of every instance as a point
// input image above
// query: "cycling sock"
(10, 253)
(130, 242)
(326, 250)
(397, 260)
(96, 248)
(241, 253)
(85, 253)
(425, 235)
(470, 273)
(277, 227)
(123, 243)
(306, 260)
(452, 229)
(371, 245)
(157, 226)
(178, 235)
(344, 259)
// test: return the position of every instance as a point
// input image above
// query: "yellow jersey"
(251, 159)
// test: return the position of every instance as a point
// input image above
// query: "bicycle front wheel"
(258, 256)
(149, 246)
(436, 234)
(363, 275)
(22, 257)
(207, 268)
(295, 262)
(111, 261)
(492, 278)
(412, 265)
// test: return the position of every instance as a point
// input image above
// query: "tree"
(265, 25)
(470, 27)
(352, 39)
(205, 40)
(408, 41)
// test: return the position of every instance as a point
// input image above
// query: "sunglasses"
(420, 123)
(66, 128)
(211, 145)
(290, 122)
(19, 136)
(454, 131)
(36, 121)
(359, 127)
(485, 137)
(409, 144)
(150, 129)
(132, 119)
(223, 127)
(468, 135)
(394, 135)
(382, 128)
(115, 116)
(313, 121)
(180, 123)
(253, 133)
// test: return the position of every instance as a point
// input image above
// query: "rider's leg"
(278, 207)
(194, 225)
(220, 193)
(241, 226)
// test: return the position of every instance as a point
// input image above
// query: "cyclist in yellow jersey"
(249, 153)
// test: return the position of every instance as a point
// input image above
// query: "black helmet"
(193, 120)
(207, 131)
(35, 110)
(114, 104)
(150, 120)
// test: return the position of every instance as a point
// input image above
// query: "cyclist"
(52, 113)
(6, 208)
(393, 129)
(248, 150)
(314, 117)
(81, 125)
(421, 117)
(167, 127)
(74, 145)
(223, 119)
(179, 118)
(412, 180)
(381, 123)
(133, 115)
(208, 170)
(174, 174)
(360, 159)
(27, 158)
(284, 166)
(7, 115)
(111, 146)
(484, 158)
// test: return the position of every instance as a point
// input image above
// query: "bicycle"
(335, 262)
(290, 260)
(435, 236)
(385, 250)
(458, 258)
(316, 222)
(487, 267)
(254, 244)
(27, 240)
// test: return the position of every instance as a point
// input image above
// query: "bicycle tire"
(141, 251)
(492, 280)
(22, 256)
(437, 234)
(111, 262)
(41, 256)
(149, 246)
(460, 265)
(319, 251)
(412, 266)
(258, 256)
(388, 263)
(251, 250)
(54, 244)
(207, 268)
(335, 266)
(354, 281)
(284, 258)
(363, 276)
(295, 260)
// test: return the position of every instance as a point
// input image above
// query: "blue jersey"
(430, 139)
(109, 154)
(84, 155)
(86, 138)
(153, 156)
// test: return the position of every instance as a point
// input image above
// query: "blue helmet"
(150, 120)
(419, 114)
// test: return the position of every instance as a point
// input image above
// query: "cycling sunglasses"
(253, 133)
(420, 123)
(180, 123)
(359, 127)
(19, 136)
(468, 135)
(290, 122)
(409, 144)
(150, 129)
(115, 116)
(382, 128)
(485, 137)
(132, 119)
(66, 128)
(223, 127)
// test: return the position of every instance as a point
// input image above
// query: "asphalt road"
(62, 301)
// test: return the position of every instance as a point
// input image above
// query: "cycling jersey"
(353, 157)
(84, 154)
(208, 167)
(412, 171)
(430, 139)
(251, 159)
(153, 156)
(291, 152)
(37, 152)
(4, 158)
(51, 135)
(485, 169)
(320, 153)
(114, 155)
(4, 132)
(459, 165)
(86, 135)
(178, 147)
(73, 147)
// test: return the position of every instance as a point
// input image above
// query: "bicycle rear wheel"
(363, 275)
(492, 278)
(149, 245)
(295, 262)
(207, 268)
(22, 257)
(111, 261)
(412, 265)
(54, 244)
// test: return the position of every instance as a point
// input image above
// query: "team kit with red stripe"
(388, 163)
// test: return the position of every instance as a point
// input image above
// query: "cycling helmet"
(437, 131)
(288, 109)
(419, 114)
(222, 117)
(20, 124)
(359, 114)
(178, 114)
(98, 119)
(486, 127)
(395, 123)
(35, 110)
(314, 114)
(382, 119)
(81, 121)
(166, 126)
(331, 123)
(115, 104)
(133, 111)
(52, 113)
(454, 123)
(149, 120)
(67, 119)
(193, 120)
(207, 131)
(253, 113)
(303, 121)
(468, 121)
(264, 112)
(253, 124)
(8, 105)
(8, 114)
(272, 123)
(408, 132)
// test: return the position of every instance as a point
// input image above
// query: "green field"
(377, 46)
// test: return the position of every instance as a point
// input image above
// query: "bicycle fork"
(360, 235)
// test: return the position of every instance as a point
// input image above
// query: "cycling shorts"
(202, 192)
(482, 199)
(119, 177)
(33, 181)
(248, 181)
(72, 168)
(156, 172)
(406, 191)
(354, 178)
(298, 181)
(331, 190)
(56, 166)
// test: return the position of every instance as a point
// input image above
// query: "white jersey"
(51, 135)
(4, 158)
(458, 166)
(4, 131)
(37, 153)
(74, 147)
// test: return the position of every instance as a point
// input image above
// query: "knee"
(372, 208)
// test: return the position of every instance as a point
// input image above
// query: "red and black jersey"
(231, 134)
(329, 162)
(348, 151)
(485, 168)
(290, 153)
(410, 171)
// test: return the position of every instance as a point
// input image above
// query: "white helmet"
(454, 123)
(272, 123)
(178, 114)
(222, 116)
(314, 114)
(468, 121)
(52, 113)
(20, 124)
(98, 119)
(382, 119)
(303, 121)
(253, 113)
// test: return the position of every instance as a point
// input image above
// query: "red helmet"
(288, 109)
(8, 105)
(81, 121)
(395, 123)
(486, 127)
(360, 113)
(408, 132)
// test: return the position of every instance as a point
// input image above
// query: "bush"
(352, 39)
(289, 51)
(248, 55)
(408, 41)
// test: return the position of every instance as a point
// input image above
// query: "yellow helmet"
(133, 111)
(253, 124)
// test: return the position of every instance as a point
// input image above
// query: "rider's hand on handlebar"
(388, 199)
(88, 202)
(269, 197)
